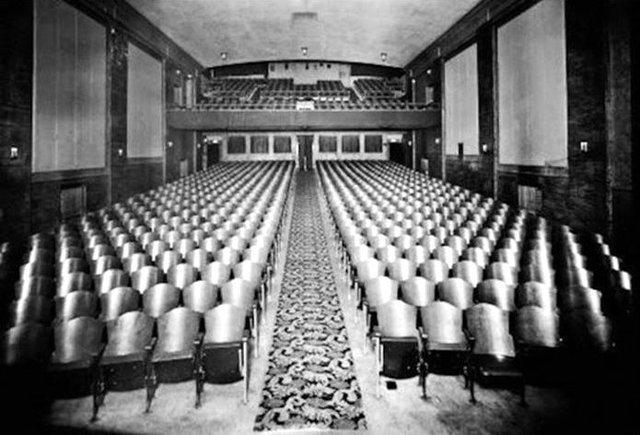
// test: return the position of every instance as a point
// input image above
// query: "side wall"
(594, 191)
(30, 202)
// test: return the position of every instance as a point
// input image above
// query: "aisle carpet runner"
(310, 382)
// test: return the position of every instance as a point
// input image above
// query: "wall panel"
(532, 87)
(461, 100)
(70, 89)
(144, 104)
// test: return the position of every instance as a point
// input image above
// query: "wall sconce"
(13, 153)
(120, 152)
(437, 141)
(304, 50)
(484, 148)
(223, 55)
(383, 57)
(584, 146)
(170, 144)
(429, 71)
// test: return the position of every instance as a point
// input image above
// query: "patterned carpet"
(310, 382)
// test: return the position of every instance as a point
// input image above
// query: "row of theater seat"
(516, 285)
(282, 94)
(160, 288)
(284, 103)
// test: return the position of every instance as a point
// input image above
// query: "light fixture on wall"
(584, 146)
(223, 55)
(383, 57)
(304, 50)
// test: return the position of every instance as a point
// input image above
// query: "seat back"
(76, 304)
(467, 270)
(418, 291)
(442, 323)
(159, 299)
(533, 293)
(446, 254)
(434, 270)
(35, 286)
(456, 291)
(216, 273)
(110, 279)
(370, 269)
(397, 319)
(182, 275)
(536, 326)
(417, 255)
(32, 309)
(104, 263)
(502, 271)
(238, 292)
(380, 290)
(577, 298)
(248, 271)
(199, 258)
(71, 265)
(227, 256)
(25, 344)
(587, 331)
(402, 270)
(145, 278)
(74, 281)
(496, 292)
(168, 259)
(77, 339)
(130, 334)
(177, 330)
(200, 296)
(118, 301)
(489, 325)
(224, 323)
(136, 261)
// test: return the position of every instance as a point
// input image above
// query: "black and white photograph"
(319, 217)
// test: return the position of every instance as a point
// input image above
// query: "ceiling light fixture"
(383, 56)
(223, 55)
(304, 50)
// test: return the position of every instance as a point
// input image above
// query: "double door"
(305, 152)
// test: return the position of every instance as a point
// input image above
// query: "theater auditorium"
(319, 216)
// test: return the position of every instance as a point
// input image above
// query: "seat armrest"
(471, 340)
(151, 345)
(197, 342)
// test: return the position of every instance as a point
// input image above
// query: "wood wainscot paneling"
(134, 176)
(45, 194)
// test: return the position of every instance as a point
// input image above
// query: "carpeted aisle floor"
(310, 382)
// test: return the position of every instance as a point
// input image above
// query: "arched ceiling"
(336, 30)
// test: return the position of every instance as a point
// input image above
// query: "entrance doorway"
(305, 153)
(396, 152)
(213, 153)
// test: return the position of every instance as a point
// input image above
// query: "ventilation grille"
(529, 198)
(73, 201)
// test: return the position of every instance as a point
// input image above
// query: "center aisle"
(310, 382)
